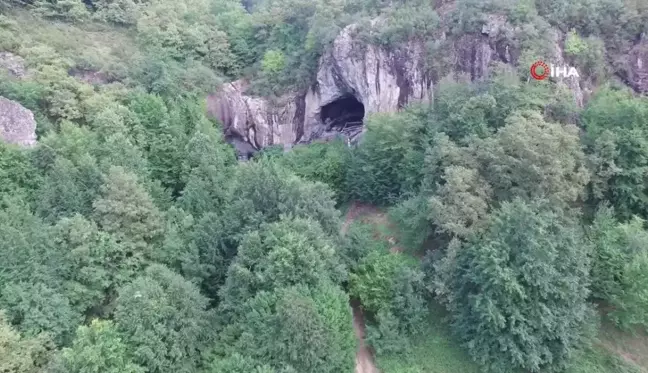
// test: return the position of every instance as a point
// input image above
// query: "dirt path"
(364, 358)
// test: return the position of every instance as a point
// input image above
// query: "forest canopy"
(133, 241)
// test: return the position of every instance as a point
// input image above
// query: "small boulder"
(17, 124)
(13, 64)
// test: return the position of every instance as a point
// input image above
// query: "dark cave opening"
(342, 113)
(244, 150)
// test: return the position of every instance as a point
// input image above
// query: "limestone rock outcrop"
(636, 74)
(381, 80)
(13, 64)
(17, 124)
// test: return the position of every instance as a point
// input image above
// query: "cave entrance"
(343, 113)
(244, 150)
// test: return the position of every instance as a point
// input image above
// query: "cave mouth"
(344, 112)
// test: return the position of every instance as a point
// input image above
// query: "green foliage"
(618, 141)
(95, 264)
(125, 210)
(327, 163)
(531, 159)
(38, 308)
(20, 354)
(359, 241)
(296, 330)
(518, 293)
(433, 350)
(98, 348)
(387, 164)
(69, 10)
(164, 320)
(17, 172)
(574, 44)
(208, 168)
(619, 267)
(281, 255)
(390, 288)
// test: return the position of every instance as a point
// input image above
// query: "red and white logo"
(540, 71)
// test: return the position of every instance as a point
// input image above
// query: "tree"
(208, 169)
(95, 266)
(388, 164)
(327, 163)
(72, 174)
(125, 210)
(295, 330)
(527, 158)
(618, 140)
(518, 293)
(22, 354)
(619, 271)
(390, 288)
(281, 255)
(38, 308)
(17, 172)
(163, 318)
(98, 348)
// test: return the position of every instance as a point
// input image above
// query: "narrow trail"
(364, 358)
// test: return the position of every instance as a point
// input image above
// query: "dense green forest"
(133, 241)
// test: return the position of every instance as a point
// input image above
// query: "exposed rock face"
(383, 81)
(254, 119)
(17, 124)
(13, 64)
(637, 74)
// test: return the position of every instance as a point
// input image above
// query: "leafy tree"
(619, 267)
(17, 172)
(69, 10)
(72, 174)
(208, 168)
(37, 308)
(25, 246)
(518, 292)
(618, 140)
(259, 193)
(296, 330)
(125, 210)
(163, 318)
(527, 158)
(390, 288)
(98, 348)
(239, 364)
(327, 163)
(281, 255)
(388, 163)
(358, 243)
(95, 264)
(22, 354)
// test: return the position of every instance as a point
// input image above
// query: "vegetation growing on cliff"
(132, 241)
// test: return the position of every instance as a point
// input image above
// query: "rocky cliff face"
(17, 124)
(382, 81)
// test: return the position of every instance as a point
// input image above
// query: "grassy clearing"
(89, 45)
(435, 351)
